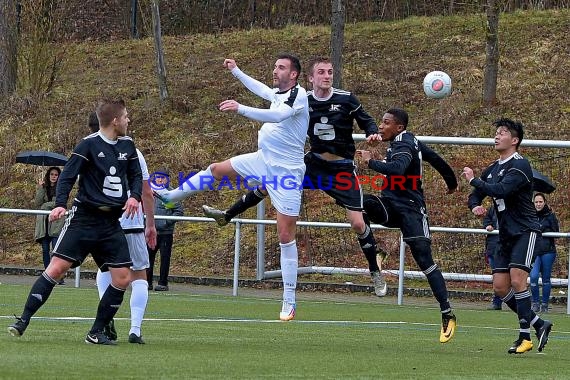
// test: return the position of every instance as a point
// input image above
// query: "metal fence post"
(236, 258)
(401, 271)
(260, 269)
(568, 286)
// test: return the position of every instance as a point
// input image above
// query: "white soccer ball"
(437, 85)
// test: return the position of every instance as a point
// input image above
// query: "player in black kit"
(402, 203)
(330, 161)
(107, 165)
(508, 181)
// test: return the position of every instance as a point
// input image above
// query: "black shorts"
(99, 233)
(336, 179)
(515, 252)
(406, 215)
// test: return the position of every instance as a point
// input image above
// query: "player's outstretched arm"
(251, 84)
(442, 167)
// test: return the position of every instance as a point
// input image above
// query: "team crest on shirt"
(334, 108)
(122, 156)
(501, 172)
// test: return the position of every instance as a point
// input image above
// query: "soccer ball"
(437, 85)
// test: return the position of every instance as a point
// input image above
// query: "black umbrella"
(541, 183)
(41, 158)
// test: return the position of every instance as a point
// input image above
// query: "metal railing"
(263, 274)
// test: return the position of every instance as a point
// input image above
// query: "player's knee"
(216, 170)
(120, 277)
(518, 284)
(358, 226)
(375, 209)
(421, 251)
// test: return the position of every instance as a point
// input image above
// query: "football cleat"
(110, 331)
(380, 286)
(287, 311)
(218, 215)
(17, 328)
(134, 338)
(448, 325)
(520, 346)
(542, 334)
(99, 338)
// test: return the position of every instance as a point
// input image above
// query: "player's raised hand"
(229, 63)
(229, 106)
(479, 210)
(374, 139)
(468, 173)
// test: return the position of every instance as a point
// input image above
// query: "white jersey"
(137, 222)
(284, 132)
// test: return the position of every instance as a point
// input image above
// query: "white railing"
(262, 274)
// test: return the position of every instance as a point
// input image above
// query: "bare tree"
(492, 54)
(337, 40)
(160, 66)
(8, 48)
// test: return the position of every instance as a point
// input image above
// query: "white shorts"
(138, 250)
(283, 183)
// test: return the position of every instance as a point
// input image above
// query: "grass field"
(193, 334)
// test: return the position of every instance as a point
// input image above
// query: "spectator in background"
(46, 232)
(165, 233)
(490, 223)
(545, 251)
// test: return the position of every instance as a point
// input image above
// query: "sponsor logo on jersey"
(122, 156)
(101, 154)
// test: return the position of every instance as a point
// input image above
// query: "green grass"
(193, 335)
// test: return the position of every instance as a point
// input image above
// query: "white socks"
(139, 299)
(289, 265)
(103, 281)
(201, 181)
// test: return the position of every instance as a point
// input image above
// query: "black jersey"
(509, 183)
(331, 121)
(403, 168)
(106, 170)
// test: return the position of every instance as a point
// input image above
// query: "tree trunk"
(8, 48)
(160, 67)
(492, 54)
(337, 40)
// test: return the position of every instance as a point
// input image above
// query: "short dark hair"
(93, 122)
(109, 109)
(516, 128)
(295, 63)
(400, 115)
(314, 62)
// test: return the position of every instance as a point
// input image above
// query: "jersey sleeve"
(439, 164)
(477, 195)
(516, 177)
(401, 158)
(292, 106)
(363, 119)
(134, 175)
(71, 170)
(143, 165)
(253, 85)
